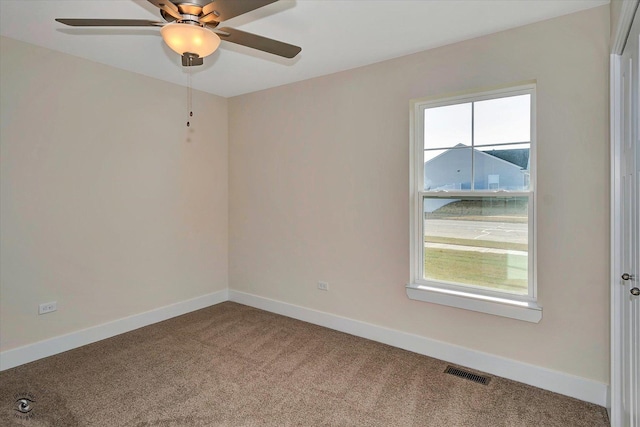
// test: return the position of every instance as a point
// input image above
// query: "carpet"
(233, 365)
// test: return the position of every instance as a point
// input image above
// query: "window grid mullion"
(502, 144)
(473, 184)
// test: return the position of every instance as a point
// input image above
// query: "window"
(472, 202)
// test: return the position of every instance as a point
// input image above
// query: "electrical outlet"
(48, 307)
(323, 286)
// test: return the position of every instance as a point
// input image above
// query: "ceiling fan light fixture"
(182, 38)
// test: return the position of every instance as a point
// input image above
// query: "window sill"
(521, 310)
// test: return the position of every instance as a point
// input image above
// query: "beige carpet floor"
(233, 365)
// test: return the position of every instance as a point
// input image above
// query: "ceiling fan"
(191, 27)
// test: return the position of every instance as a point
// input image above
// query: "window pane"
(447, 169)
(477, 241)
(503, 120)
(503, 167)
(448, 126)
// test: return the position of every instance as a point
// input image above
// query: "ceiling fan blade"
(258, 42)
(210, 17)
(109, 22)
(168, 7)
(221, 10)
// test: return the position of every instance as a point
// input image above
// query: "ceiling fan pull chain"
(189, 98)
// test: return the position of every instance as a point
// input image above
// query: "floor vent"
(467, 375)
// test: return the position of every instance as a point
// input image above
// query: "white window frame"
(521, 307)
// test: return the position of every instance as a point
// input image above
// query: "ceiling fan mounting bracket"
(195, 5)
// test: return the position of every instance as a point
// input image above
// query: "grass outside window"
(480, 242)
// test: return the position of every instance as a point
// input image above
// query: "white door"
(628, 310)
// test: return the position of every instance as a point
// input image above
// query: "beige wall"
(615, 8)
(319, 182)
(110, 205)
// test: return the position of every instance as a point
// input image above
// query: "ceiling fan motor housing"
(191, 8)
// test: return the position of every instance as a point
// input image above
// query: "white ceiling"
(335, 35)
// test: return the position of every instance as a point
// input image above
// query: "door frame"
(619, 38)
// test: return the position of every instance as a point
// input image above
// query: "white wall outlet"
(48, 307)
(323, 286)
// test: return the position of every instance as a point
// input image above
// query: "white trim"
(528, 311)
(29, 353)
(558, 382)
(454, 194)
(616, 380)
(482, 94)
(620, 33)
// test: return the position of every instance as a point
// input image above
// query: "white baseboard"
(558, 382)
(29, 353)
